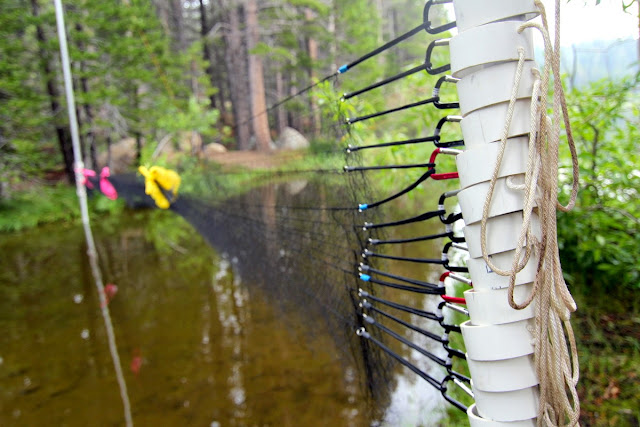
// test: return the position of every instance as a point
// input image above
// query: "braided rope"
(556, 358)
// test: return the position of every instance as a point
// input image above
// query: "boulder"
(291, 139)
(212, 149)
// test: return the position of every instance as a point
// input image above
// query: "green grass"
(47, 204)
(608, 335)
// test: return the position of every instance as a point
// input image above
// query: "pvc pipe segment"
(488, 45)
(485, 279)
(497, 342)
(472, 13)
(493, 85)
(505, 200)
(487, 124)
(491, 307)
(475, 420)
(476, 165)
(502, 234)
(503, 375)
(514, 405)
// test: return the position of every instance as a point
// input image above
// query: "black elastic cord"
(425, 17)
(428, 378)
(428, 334)
(438, 131)
(428, 65)
(420, 290)
(445, 263)
(455, 268)
(385, 81)
(410, 240)
(411, 310)
(368, 270)
(451, 218)
(449, 144)
(455, 352)
(457, 239)
(436, 93)
(351, 149)
(419, 181)
(459, 376)
(451, 400)
(351, 121)
(447, 327)
(406, 342)
(435, 138)
(422, 217)
(382, 48)
(370, 168)
(367, 253)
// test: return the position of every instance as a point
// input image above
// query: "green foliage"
(600, 238)
(606, 324)
(47, 204)
(198, 116)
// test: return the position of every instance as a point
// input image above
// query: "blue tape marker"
(365, 277)
(343, 69)
(363, 207)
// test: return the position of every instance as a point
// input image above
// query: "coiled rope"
(556, 358)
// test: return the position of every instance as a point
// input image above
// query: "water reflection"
(236, 336)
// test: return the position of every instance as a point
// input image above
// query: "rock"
(291, 139)
(212, 149)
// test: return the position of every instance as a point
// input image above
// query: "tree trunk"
(256, 80)
(88, 112)
(331, 27)
(295, 120)
(177, 23)
(312, 49)
(281, 113)
(223, 81)
(62, 132)
(236, 59)
(206, 51)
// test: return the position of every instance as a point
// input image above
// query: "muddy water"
(202, 341)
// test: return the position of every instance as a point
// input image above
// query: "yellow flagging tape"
(159, 181)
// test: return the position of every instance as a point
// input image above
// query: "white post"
(484, 55)
(84, 211)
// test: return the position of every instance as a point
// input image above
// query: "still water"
(201, 344)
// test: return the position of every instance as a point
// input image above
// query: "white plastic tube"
(472, 13)
(487, 45)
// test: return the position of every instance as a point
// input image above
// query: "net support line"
(84, 211)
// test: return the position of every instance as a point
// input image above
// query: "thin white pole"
(82, 198)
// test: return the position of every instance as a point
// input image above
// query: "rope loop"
(556, 359)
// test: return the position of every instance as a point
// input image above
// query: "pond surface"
(231, 336)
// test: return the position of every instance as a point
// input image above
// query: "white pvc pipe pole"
(84, 211)
(484, 55)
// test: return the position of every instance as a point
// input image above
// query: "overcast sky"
(582, 20)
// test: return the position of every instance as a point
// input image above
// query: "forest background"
(161, 72)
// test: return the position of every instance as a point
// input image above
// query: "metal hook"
(427, 23)
(427, 60)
